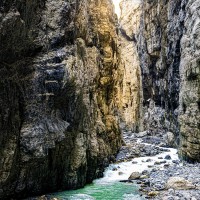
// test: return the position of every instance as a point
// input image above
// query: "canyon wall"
(190, 84)
(70, 74)
(131, 87)
(58, 69)
(165, 38)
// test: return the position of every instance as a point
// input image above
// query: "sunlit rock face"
(131, 91)
(58, 64)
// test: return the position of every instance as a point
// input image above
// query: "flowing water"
(109, 187)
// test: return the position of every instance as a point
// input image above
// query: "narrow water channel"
(110, 188)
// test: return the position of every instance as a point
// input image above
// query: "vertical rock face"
(131, 84)
(58, 63)
(161, 30)
(167, 35)
(190, 84)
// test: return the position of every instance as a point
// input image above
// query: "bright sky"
(117, 8)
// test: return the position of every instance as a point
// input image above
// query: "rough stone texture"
(131, 99)
(169, 55)
(168, 49)
(161, 30)
(179, 183)
(134, 175)
(190, 84)
(58, 64)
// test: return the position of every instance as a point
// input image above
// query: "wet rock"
(163, 162)
(114, 169)
(134, 175)
(157, 163)
(166, 165)
(168, 157)
(126, 181)
(145, 172)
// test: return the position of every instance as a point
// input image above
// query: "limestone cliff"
(190, 84)
(58, 64)
(131, 89)
(165, 37)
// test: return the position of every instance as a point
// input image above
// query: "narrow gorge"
(80, 85)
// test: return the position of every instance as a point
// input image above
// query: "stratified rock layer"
(169, 56)
(190, 84)
(58, 63)
(166, 38)
(131, 90)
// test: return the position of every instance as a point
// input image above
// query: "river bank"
(166, 177)
(142, 171)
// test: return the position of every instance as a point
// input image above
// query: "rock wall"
(131, 87)
(58, 65)
(165, 37)
(161, 31)
(190, 84)
(169, 55)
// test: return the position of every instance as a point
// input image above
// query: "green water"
(102, 191)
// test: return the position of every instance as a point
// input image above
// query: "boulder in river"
(168, 157)
(134, 175)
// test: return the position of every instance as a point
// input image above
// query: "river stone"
(153, 193)
(179, 183)
(114, 169)
(134, 175)
(157, 163)
(168, 157)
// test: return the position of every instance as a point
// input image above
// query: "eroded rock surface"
(58, 63)
(165, 36)
(131, 89)
(190, 84)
